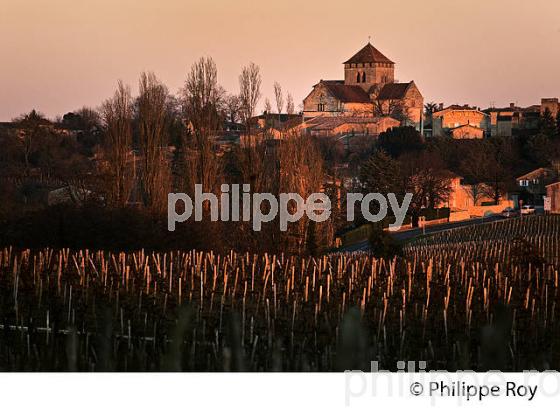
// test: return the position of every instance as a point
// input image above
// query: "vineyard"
(471, 298)
(530, 236)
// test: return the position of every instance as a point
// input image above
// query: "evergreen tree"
(400, 140)
(547, 125)
(380, 173)
(382, 244)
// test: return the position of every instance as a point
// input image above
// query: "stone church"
(368, 90)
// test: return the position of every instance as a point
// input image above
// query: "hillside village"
(368, 102)
(462, 161)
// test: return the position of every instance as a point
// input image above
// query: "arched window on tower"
(363, 77)
(358, 77)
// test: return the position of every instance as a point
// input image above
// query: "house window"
(358, 77)
(321, 107)
(363, 77)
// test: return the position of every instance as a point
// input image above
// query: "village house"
(533, 185)
(550, 104)
(368, 91)
(351, 131)
(553, 198)
(271, 126)
(348, 126)
(467, 131)
(459, 122)
(512, 120)
(276, 121)
(467, 201)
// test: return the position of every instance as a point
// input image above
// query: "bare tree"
(427, 178)
(474, 167)
(301, 171)
(231, 106)
(391, 108)
(153, 138)
(499, 168)
(475, 191)
(202, 98)
(294, 166)
(249, 92)
(290, 108)
(279, 97)
(267, 106)
(116, 114)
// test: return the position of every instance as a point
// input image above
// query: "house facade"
(512, 120)
(468, 131)
(461, 122)
(532, 186)
(553, 197)
(355, 126)
(467, 201)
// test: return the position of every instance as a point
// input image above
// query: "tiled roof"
(393, 91)
(346, 93)
(275, 116)
(456, 107)
(329, 123)
(368, 54)
(537, 173)
(467, 125)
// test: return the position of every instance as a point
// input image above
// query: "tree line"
(131, 151)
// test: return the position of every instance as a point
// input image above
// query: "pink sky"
(58, 55)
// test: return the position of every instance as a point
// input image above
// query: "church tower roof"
(368, 54)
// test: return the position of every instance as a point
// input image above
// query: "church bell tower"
(369, 69)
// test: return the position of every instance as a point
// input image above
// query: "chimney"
(512, 105)
(440, 106)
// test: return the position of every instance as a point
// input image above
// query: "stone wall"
(454, 118)
(376, 73)
(319, 95)
(467, 133)
(414, 104)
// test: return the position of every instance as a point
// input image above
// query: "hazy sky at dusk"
(58, 55)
